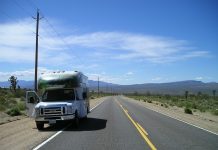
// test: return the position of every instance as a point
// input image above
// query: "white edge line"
(49, 139)
(183, 121)
(56, 134)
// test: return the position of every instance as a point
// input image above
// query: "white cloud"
(103, 77)
(24, 74)
(199, 78)
(121, 79)
(129, 73)
(157, 79)
(17, 45)
(134, 46)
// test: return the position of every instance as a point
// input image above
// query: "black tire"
(40, 125)
(76, 120)
(87, 111)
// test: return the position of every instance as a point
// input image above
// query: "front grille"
(52, 118)
(52, 111)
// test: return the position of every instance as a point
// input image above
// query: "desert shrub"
(14, 111)
(171, 104)
(167, 96)
(3, 103)
(161, 105)
(174, 99)
(194, 106)
(149, 101)
(165, 105)
(188, 105)
(215, 112)
(2, 108)
(11, 102)
(202, 109)
(22, 99)
(19, 93)
(188, 110)
(2, 100)
(180, 104)
(21, 105)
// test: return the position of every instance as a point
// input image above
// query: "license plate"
(52, 121)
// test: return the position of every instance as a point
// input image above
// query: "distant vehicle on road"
(64, 96)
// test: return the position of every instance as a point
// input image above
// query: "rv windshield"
(58, 95)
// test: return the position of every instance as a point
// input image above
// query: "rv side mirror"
(31, 100)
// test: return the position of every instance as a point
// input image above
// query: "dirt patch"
(22, 134)
(5, 118)
(203, 120)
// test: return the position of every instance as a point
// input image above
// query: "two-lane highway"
(119, 123)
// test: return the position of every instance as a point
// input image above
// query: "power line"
(21, 7)
(34, 6)
(12, 19)
(59, 36)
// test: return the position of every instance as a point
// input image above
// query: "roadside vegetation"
(94, 94)
(12, 103)
(190, 102)
(12, 100)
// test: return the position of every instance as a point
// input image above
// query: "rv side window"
(84, 95)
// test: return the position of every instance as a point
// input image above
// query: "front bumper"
(57, 118)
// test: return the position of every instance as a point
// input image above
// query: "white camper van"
(64, 96)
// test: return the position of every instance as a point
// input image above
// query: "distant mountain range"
(30, 84)
(175, 88)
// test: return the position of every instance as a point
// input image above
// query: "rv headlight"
(37, 111)
(69, 110)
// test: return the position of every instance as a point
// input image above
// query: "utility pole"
(36, 53)
(98, 86)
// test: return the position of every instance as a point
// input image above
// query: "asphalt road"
(119, 124)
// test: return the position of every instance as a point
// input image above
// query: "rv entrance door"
(31, 100)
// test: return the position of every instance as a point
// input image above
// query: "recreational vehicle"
(61, 96)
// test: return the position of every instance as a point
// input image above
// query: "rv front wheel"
(39, 125)
(76, 120)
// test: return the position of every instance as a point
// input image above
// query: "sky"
(119, 41)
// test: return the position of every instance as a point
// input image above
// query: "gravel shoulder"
(203, 120)
(20, 133)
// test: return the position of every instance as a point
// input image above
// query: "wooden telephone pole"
(98, 86)
(36, 53)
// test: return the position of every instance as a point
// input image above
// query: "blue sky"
(121, 41)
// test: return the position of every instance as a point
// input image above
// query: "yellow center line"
(142, 128)
(139, 128)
